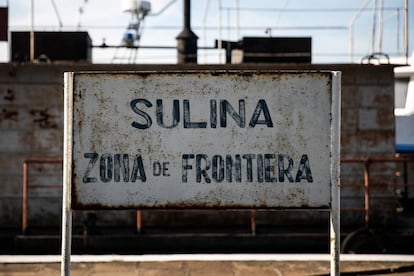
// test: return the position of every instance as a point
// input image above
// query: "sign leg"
(335, 243)
(67, 172)
(66, 241)
(335, 174)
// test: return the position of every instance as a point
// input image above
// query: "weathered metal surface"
(201, 140)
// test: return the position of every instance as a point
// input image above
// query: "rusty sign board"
(208, 139)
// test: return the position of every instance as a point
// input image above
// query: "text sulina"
(219, 112)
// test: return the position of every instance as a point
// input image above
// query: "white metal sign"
(201, 139)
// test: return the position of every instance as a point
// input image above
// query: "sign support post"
(67, 177)
(66, 240)
(335, 174)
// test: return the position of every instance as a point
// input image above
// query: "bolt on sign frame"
(202, 139)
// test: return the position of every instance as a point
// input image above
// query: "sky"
(326, 21)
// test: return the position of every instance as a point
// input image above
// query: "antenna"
(139, 10)
(132, 36)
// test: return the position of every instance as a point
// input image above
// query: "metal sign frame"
(327, 161)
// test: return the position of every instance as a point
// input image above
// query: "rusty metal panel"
(212, 139)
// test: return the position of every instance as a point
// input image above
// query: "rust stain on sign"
(214, 139)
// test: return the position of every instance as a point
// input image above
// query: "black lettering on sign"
(147, 118)
(218, 168)
(259, 168)
(114, 167)
(160, 168)
(121, 166)
(233, 167)
(226, 108)
(285, 171)
(213, 113)
(238, 168)
(156, 168)
(186, 166)
(138, 171)
(176, 114)
(269, 168)
(304, 171)
(249, 166)
(93, 157)
(187, 119)
(105, 167)
(261, 107)
(202, 166)
(140, 105)
(165, 168)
